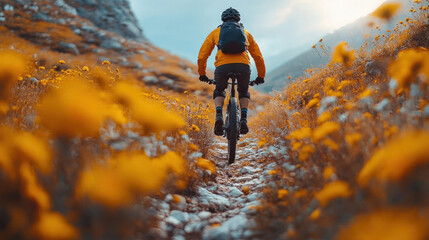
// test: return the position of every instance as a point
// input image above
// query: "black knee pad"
(217, 93)
(244, 95)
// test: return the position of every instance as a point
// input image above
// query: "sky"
(278, 26)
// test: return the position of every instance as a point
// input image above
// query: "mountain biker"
(226, 63)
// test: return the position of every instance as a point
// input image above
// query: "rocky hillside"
(91, 31)
(85, 26)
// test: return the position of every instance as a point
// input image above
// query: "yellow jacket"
(221, 58)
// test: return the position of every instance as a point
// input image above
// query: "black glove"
(204, 78)
(258, 81)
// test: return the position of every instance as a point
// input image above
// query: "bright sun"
(341, 12)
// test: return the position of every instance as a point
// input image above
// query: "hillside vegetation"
(351, 142)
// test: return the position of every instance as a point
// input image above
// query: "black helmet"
(230, 13)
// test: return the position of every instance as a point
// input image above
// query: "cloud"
(286, 11)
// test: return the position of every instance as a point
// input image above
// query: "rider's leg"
(221, 78)
(244, 103)
(219, 101)
(244, 96)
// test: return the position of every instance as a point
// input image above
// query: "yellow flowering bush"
(393, 223)
(342, 55)
(333, 190)
(396, 159)
(386, 10)
(357, 133)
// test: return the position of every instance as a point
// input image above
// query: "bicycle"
(232, 116)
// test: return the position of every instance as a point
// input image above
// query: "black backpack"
(232, 39)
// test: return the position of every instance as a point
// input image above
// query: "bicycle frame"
(232, 128)
(231, 94)
(232, 116)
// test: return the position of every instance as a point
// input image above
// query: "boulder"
(213, 200)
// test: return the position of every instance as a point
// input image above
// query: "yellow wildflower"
(325, 116)
(305, 152)
(85, 68)
(300, 193)
(342, 55)
(328, 172)
(353, 138)
(315, 214)
(207, 165)
(11, 65)
(193, 147)
(313, 102)
(33, 149)
(386, 10)
(300, 134)
(73, 110)
(61, 62)
(152, 115)
(408, 66)
(386, 224)
(53, 226)
(4, 107)
(365, 94)
(246, 190)
(332, 191)
(390, 131)
(132, 167)
(262, 142)
(331, 144)
(90, 182)
(344, 84)
(195, 128)
(282, 193)
(124, 174)
(32, 188)
(367, 115)
(176, 198)
(106, 62)
(397, 158)
(296, 145)
(324, 130)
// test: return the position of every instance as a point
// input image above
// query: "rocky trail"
(222, 208)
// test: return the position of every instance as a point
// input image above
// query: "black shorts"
(221, 78)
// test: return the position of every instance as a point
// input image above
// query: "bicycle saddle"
(234, 75)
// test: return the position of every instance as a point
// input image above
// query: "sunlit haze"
(278, 25)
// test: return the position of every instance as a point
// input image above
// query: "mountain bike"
(232, 116)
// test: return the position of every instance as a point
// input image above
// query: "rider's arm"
(256, 55)
(205, 51)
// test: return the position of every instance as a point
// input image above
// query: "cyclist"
(231, 62)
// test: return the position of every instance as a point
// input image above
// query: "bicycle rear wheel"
(232, 131)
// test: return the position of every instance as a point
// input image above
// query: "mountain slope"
(354, 34)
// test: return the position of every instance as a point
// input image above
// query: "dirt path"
(223, 208)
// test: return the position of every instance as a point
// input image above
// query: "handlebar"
(212, 81)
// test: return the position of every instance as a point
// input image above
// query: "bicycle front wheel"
(232, 132)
